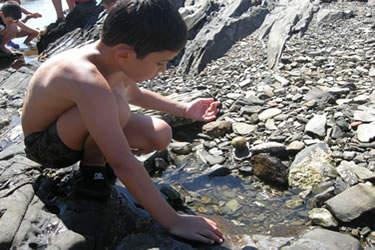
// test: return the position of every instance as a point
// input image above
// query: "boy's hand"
(35, 15)
(202, 109)
(197, 228)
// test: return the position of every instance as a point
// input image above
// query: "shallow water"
(250, 205)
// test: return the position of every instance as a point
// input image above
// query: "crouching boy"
(77, 109)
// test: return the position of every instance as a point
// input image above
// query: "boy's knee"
(163, 137)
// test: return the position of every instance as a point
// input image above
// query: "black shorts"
(47, 149)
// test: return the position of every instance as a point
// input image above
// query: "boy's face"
(150, 66)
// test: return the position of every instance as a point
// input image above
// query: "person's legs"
(8, 34)
(74, 134)
(30, 33)
(59, 10)
(71, 4)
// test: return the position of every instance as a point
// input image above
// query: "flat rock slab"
(353, 202)
(323, 239)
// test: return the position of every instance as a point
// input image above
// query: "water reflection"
(245, 201)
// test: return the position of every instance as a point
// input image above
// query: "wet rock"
(240, 148)
(269, 169)
(181, 148)
(217, 170)
(322, 217)
(174, 198)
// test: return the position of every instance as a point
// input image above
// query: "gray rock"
(311, 166)
(366, 132)
(317, 125)
(353, 202)
(345, 170)
(243, 128)
(13, 211)
(235, 20)
(217, 128)
(323, 239)
(363, 116)
(269, 113)
(68, 240)
(322, 217)
(329, 15)
(268, 147)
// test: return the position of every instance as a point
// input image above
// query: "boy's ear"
(124, 53)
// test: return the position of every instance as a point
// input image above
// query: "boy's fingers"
(211, 235)
(203, 239)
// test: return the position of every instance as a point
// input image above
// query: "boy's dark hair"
(145, 25)
(12, 9)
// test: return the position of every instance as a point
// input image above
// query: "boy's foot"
(13, 45)
(91, 181)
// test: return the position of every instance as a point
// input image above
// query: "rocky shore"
(288, 164)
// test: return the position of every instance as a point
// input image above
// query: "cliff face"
(214, 26)
(298, 109)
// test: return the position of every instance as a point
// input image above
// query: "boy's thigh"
(142, 129)
(47, 148)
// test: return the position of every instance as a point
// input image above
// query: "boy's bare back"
(58, 84)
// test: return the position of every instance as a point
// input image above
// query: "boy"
(11, 27)
(9, 16)
(77, 109)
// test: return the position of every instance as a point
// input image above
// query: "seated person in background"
(59, 9)
(77, 110)
(28, 14)
(12, 27)
(9, 16)
(26, 31)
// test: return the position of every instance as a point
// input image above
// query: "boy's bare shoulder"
(71, 66)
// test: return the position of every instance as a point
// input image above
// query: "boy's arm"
(99, 113)
(203, 109)
(29, 14)
(138, 182)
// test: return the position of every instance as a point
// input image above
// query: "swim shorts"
(47, 149)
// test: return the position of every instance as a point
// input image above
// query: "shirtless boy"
(77, 108)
